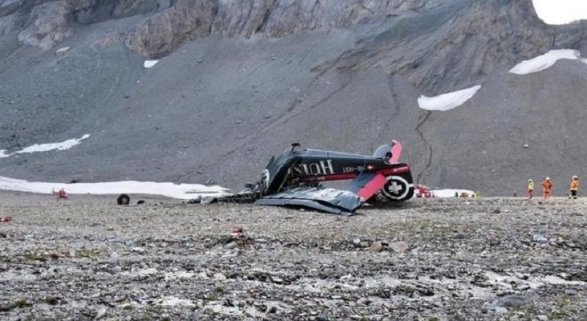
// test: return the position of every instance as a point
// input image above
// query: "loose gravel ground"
(482, 259)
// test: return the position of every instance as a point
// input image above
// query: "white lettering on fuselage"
(315, 169)
(351, 169)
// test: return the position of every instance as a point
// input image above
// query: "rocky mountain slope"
(240, 80)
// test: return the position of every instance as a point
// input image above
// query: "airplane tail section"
(391, 152)
(400, 185)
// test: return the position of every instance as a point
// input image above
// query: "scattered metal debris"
(61, 194)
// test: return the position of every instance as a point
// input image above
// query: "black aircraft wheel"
(123, 199)
(397, 189)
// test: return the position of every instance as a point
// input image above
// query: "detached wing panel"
(327, 200)
(367, 184)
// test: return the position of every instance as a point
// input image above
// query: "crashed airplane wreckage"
(293, 179)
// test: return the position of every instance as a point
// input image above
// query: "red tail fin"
(396, 151)
(367, 184)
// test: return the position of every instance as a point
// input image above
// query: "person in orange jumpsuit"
(574, 187)
(547, 188)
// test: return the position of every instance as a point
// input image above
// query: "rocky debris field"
(483, 259)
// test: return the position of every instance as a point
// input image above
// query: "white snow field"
(545, 61)
(450, 193)
(560, 12)
(447, 101)
(46, 147)
(171, 190)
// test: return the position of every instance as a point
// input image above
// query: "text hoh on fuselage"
(323, 167)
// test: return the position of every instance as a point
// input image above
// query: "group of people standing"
(547, 187)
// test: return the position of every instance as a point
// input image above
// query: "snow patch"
(46, 147)
(53, 146)
(560, 12)
(172, 190)
(545, 61)
(150, 63)
(450, 193)
(62, 50)
(447, 101)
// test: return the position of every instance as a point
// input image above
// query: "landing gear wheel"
(123, 199)
(397, 189)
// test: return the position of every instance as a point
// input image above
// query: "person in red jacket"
(547, 188)
(574, 187)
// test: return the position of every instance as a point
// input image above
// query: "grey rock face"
(432, 43)
(6, 24)
(437, 45)
(44, 23)
(49, 26)
(92, 11)
(162, 33)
